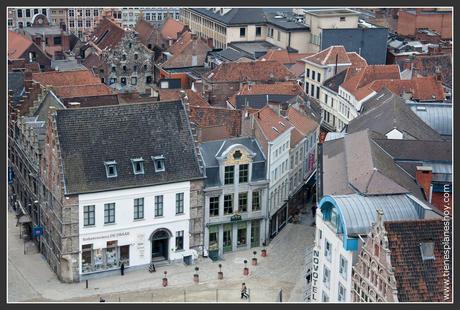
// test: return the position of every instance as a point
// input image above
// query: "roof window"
(111, 169)
(159, 162)
(138, 165)
(427, 250)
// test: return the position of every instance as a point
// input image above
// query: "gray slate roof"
(236, 16)
(389, 111)
(436, 115)
(90, 136)
(334, 82)
(16, 84)
(360, 212)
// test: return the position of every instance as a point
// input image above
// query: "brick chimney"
(423, 176)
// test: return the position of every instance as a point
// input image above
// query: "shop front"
(278, 221)
(230, 237)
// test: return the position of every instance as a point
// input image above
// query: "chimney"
(423, 176)
(74, 105)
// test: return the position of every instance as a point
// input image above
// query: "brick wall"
(408, 23)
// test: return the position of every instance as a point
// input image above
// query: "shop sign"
(107, 236)
(235, 217)
(37, 231)
(315, 275)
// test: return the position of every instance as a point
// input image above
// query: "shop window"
(179, 240)
(242, 233)
(228, 204)
(158, 205)
(89, 215)
(180, 203)
(255, 233)
(86, 258)
(244, 172)
(255, 201)
(213, 237)
(111, 254)
(214, 206)
(138, 208)
(243, 202)
(124, 255)
(229, 174)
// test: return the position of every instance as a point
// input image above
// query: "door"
(160, 245)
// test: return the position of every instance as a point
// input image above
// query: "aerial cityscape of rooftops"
(230, 155)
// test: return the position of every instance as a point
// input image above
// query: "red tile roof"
(17, 45)
(106, 34)
(185, 56)
(280, 88)
(421, 88)
(298, 68)
(271, 124)
(250, 71)
(356, 60)
(282, 56)
(82, 90)
(181, 43)
(358, 80)
(144, 30)
(194, 98)
(418, 280)
(301, 122)
(329, 56)
(67, 78)
(170, 28)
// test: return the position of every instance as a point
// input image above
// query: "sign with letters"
(315, 275)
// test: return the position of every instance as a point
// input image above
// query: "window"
(242, 32)
(179, 240)
(44, 12)
(109, 213)
(110, 169)
(159, 205)
(255, 201)
(243, 202)
(308, 73)
(123, 57)
(341, 295)
(96, 13)
(113, 81)
(20, 13)
(79, 12)
(326, 277)
(179, 203)
(27, 13)
(228, 204)
(325, 297)
(317, 92)
(342, 18)
(134, 80)
(229, 174)
(328, 250)
(35, 11)
(125, 69)
(343, 267)
(307, 87)
(138, 165)
(278, 35)
(244, 171)
(88, 23)
(312, 90)
(57, 41)
(258, 31)
(214, 206)
(319, 77)
(313, 74)
(136, 56)
(427, 250)
(10, 22)
(71, 13)
(138, 208)
(159, 162)
(89, 215)
(88, 12)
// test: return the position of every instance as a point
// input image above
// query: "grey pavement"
(31, 279)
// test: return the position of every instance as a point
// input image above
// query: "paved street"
(31, 279)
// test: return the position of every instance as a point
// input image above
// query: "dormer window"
(159, 162)
(427, 250)
(138, 165)
(111, 169)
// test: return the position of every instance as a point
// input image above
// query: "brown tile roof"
(144, 30)
(280, 88)
(356, 60)
(181, 43)
(282, 56)
(106, 34)
(301, 122)
(428, 65)
(328, 56)
(418, 280)
(358, 80)
(421, 88)
(298, 68)
(170, 28)
(185, 56)
(92, 61)
(216, 122)
(82, 90)
(250, 71)
(17, 45)
(194, 98)
(271, 124)
(55, 78)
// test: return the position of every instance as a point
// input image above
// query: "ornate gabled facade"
(373, 277)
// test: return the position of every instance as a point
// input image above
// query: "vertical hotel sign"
(315, 275)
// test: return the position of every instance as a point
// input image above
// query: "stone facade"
(197, 216)
(373, 278)
(129, 66)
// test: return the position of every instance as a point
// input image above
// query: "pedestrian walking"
(244, 291)
(152, 267)
(122, 269)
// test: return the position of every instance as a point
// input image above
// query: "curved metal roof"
(358, 213)
(436, 115)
